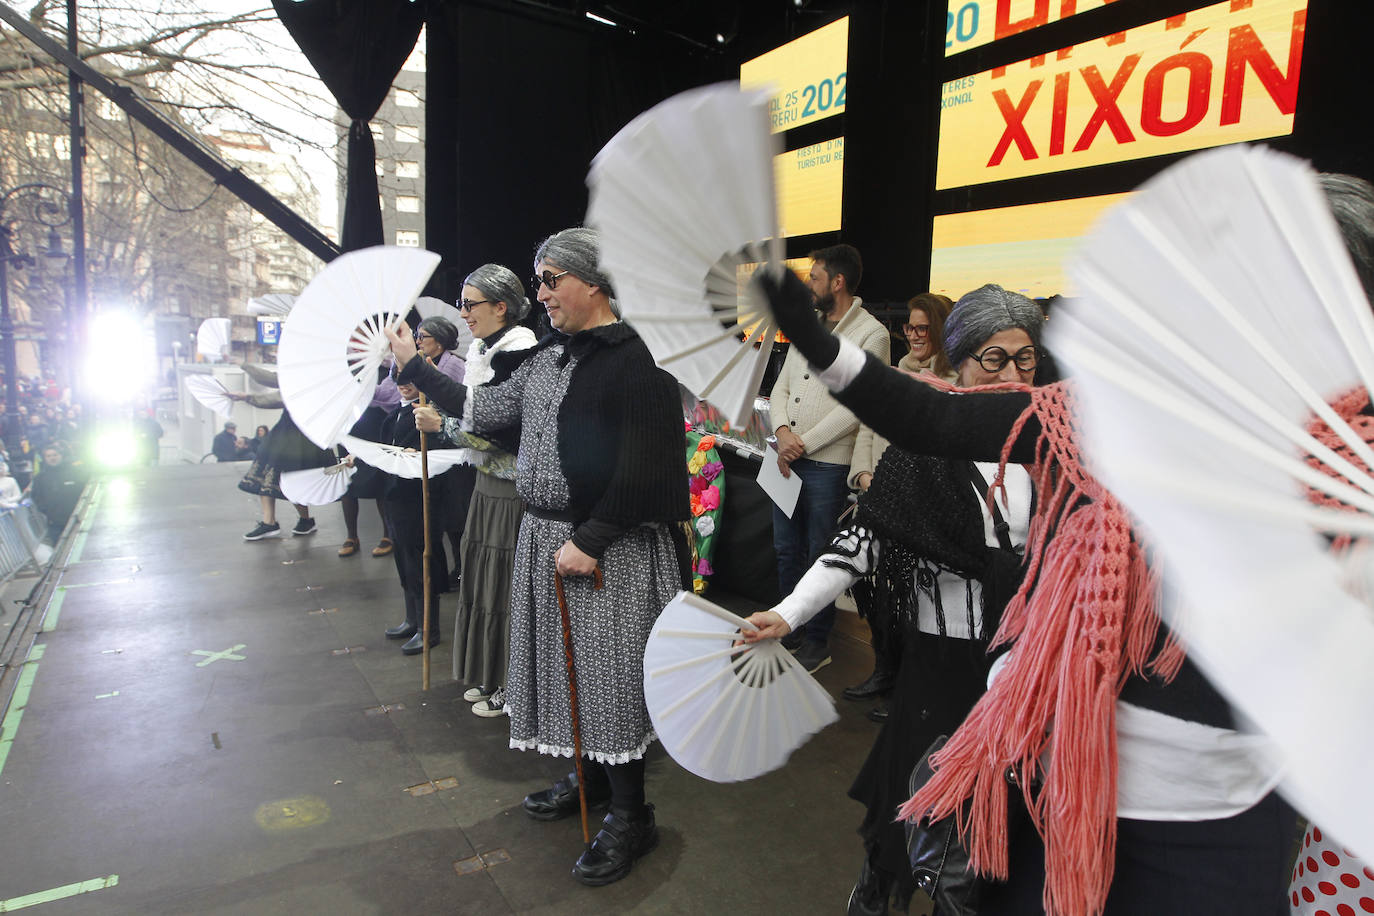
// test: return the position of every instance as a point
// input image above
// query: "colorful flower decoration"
(710, 498)
(706, 495)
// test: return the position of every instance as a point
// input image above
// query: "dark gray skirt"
(481, 630)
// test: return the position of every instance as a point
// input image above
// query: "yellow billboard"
(1020, 248)
(971, 23)
(810, 187)
(807, 76)
(1222, 74)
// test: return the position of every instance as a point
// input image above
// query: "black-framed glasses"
(920, 330)
(467, 305)
(549, 279)
(994, 359)
(421, 335)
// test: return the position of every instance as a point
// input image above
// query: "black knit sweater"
(620, 431)
(914, 416)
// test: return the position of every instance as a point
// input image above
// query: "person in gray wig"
(493, 303)
(601, 471)
(986, 320)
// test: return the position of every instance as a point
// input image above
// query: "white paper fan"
(317, 486)
(727, 714)
(333, 341)
(430, 307)
(1219, 314)
(212, 338)
(401, 462)
(211, 393)
(276, 305)
(683, 196)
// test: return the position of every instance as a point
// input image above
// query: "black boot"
(878, 683)
(622, 839)
(560, 800)
(417, 642)
(869, 896)
(403, 630)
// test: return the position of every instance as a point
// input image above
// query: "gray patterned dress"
(610, 626)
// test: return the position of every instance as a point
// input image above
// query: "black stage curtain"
(517, 106)
(357, 47)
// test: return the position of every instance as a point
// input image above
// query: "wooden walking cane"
(572, 691)
(424, 503)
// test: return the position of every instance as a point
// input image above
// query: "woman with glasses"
(934, 563)
(1144, 797)
(493, 304)
(438, 340)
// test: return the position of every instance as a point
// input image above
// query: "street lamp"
(43, 205)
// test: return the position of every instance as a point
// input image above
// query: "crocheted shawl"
(1084, 620)
(927, 517)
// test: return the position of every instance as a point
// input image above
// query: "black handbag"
(939, 859)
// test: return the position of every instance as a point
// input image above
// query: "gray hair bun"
(984, 312)
(500, 284)
(578, 251)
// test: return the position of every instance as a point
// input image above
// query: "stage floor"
(208, 725)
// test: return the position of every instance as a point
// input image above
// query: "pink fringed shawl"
(1083, 621)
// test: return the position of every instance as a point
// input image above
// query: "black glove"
(793, 309)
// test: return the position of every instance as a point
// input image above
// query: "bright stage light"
(120, 359)
(116, 448)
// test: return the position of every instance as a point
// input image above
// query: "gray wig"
(578, 251)
(444, 332)
(1351, 201)
(500, 284)
(984, 312)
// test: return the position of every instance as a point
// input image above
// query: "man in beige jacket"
(816, 438)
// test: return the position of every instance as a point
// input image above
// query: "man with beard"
(816, 439)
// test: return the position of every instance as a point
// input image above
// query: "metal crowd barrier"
(21, 540)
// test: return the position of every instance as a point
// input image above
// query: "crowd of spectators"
(41, 452)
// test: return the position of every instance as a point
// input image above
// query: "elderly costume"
(481, 629)
(1144, 796)
(600, 464)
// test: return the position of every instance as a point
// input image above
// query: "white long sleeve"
(830, 576)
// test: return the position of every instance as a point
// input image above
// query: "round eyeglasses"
(994, 359)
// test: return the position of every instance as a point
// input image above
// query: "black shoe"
(417, 643)
(560, 800)
(813, 655)
(793, 641)
(264, 530)
(869, 896)
(401, 631)
(303, 526)
(623, 837)
(878, 683)
(878, 713)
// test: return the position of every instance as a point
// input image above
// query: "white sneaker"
(492, 707)
(479, 693)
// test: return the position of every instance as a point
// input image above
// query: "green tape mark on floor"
(15, 713)
(58, 893)
(54, 609)
(77, 546)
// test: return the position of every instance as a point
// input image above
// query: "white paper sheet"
(782, 490)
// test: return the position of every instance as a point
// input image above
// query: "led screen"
(1222, 74)
(971, 23)
(810, 183)
(807, 76)
(1020, 248)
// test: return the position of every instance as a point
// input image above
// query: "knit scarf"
(1084, 620)
(1353, 408)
